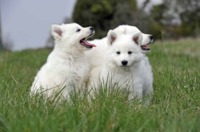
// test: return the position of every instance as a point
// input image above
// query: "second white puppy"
(124, 64)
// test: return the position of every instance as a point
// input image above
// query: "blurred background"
(25, 24)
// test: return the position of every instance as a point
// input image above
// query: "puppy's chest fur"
(123, 76)
(65, 71)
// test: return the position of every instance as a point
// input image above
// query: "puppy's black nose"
(91, 28)
(124, 62)
(151, 37)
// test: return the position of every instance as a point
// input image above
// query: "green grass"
(175, 105)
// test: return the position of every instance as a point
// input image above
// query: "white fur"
(101, 44)
(66, 67)
(127, 29)
(107, 64)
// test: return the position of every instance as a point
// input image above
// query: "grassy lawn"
(175, 105)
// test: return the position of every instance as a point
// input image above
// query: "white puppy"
(127, 29)
(97, 54)
(66, 67)
(122, 61)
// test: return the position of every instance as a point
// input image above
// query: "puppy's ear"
(112, 36)
(56, 31)
(137, 38)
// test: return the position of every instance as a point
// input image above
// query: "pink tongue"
(145, 47)
(87, 43)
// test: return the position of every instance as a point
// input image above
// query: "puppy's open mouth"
(145, 47)
(85, 43)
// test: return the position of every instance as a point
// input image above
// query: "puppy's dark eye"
(129, 52)
(118, 52)
(78, 30)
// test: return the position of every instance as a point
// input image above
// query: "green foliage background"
(103, 14)
(108, 14)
